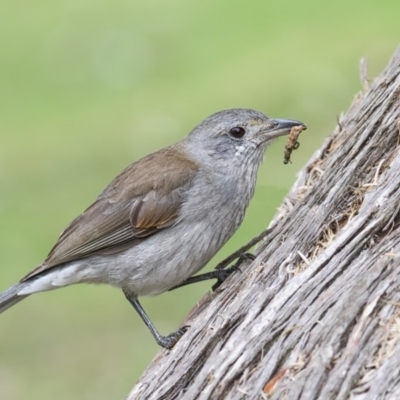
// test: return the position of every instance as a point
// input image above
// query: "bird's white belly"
(149, 268)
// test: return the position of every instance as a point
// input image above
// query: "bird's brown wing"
(145, 198)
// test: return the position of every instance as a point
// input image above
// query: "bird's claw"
(245, 257)
(222, 274)
(168, 342)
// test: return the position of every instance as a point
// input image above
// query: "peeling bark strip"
(317, 314)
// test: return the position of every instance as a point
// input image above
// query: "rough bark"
(317, 314)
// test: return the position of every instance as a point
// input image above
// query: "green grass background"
(87, 87)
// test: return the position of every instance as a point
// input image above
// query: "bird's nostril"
(274, 124)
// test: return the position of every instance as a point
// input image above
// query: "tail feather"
(10, 297)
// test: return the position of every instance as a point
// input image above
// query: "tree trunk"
(317, 314)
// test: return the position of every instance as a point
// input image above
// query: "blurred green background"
(87, 87)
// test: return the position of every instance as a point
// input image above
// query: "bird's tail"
(10, 297)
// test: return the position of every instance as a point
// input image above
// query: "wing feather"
(145, 198)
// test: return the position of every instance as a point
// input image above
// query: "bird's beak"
(280, 127)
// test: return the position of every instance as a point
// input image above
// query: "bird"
(164, 217)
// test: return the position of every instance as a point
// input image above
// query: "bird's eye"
(237, 132)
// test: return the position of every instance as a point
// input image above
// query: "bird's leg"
(167, 342)
(219, 274)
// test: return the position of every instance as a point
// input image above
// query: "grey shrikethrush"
(164, 217)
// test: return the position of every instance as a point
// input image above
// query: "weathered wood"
(317, 314)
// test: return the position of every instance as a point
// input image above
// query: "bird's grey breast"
(219, 199)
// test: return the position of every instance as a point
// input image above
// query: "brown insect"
(292, 143)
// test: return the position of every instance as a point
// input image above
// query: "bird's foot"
(222, 274)
(168, 342)
(245, 257)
